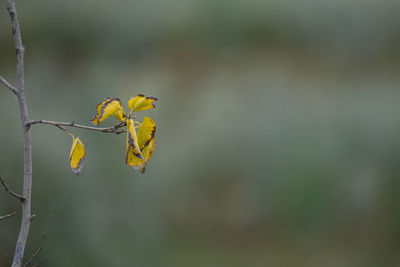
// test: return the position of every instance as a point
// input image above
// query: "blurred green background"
(278, 132)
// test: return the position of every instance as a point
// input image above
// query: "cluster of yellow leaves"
(140, 145)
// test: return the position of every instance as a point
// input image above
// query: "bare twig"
(44, 235)
(115, 129)
(21, 198)
(8, 85)
(7, 215)
(27, 182)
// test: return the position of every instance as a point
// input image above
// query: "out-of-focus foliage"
(278, 132)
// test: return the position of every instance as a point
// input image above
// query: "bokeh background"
(278, 132)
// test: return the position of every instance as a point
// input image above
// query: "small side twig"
(115, 129)
(44, 235)
(7, 215)
(8, 85)
(21, 198)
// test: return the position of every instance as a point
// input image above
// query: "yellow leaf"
(133, 153)
(147, 153)
(146, 132)
(77, 155)
(120, 115)
(147, 143)
(110, 106)
(141, 102)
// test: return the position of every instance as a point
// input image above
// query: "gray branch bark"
(115, 129)
(20, 93)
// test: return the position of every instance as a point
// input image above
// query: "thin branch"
(8, 85)
(7, 215)
(115, 129)
(21, 198)
(44, 235)
(27, 182)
